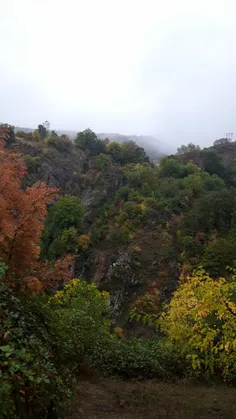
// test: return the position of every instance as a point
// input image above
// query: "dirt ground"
(108, 399)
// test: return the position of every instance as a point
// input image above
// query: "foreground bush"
(42, 343)
(137, 358)
(30, 378)
(78, 319)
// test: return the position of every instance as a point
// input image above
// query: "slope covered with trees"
(153, 247)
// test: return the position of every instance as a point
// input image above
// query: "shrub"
(43, 342)
(30, 377)
(31, 162)
(36, 135)
(137, 358)
(79, 318)
(64, 220)
(103, 162)
(60, 143)
(25, 135)
(83, 241)
(119, 237)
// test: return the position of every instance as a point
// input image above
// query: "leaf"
(7, 348)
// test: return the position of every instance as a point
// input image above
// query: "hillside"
(113, 266)
(154, 148)
(139, 218)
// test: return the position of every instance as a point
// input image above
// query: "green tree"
(188, 148)
(67, 213)
(221, 141)
(79, 319)
(36, 135)
(132, 153)
(115, 150)
(42, 131)
(103, 162)
(212, 163)
(59, 143)
(138, 175)
(170, 167)
(87, 139)
(7, 133)
(219, 254)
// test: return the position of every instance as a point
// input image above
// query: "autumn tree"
(201, 319)
(22, 216)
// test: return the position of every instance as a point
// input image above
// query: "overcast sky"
(162, 68)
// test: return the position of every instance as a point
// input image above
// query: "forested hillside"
(153, 246)
(154, 148)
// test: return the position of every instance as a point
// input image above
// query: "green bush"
(42, 344)
(31, 162)
(78, 319)
(87, 139)
(60, 143)
(137, 358)
(65, 218)
(118, 236)
(30, 377)
(103, 162)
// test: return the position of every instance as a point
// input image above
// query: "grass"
(110, 399)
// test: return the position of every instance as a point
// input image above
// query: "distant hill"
(154, 148)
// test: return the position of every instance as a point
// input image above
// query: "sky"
(151, 67)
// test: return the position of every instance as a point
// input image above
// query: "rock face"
(124, 285)
(115, 272)
(123, 269)
(73, 173)
(98, 188)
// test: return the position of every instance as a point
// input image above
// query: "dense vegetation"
(150, 245)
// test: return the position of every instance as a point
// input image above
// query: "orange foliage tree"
(22, 216)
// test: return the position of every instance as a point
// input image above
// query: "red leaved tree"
(22, 214)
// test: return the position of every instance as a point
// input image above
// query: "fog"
(165, 69)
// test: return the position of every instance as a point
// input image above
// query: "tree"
(219, 254)
(36, 135)
(115, 150)
(103, 162)
(7, 133)
(212, 163)
(170, 167)
(201, 319)
(87, 139)
(65, 218)
(221, 141)
(24, 135)
(188, 148)
(79, 319)
(42, 131)
(132, 153)
(60, 143)
(22, 216)
(54, 134)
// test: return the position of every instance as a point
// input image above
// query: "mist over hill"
(154, 147)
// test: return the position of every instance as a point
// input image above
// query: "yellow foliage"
(137, 249)
(119, 331)
(105, 294)
(201, 318)
(83, 240)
